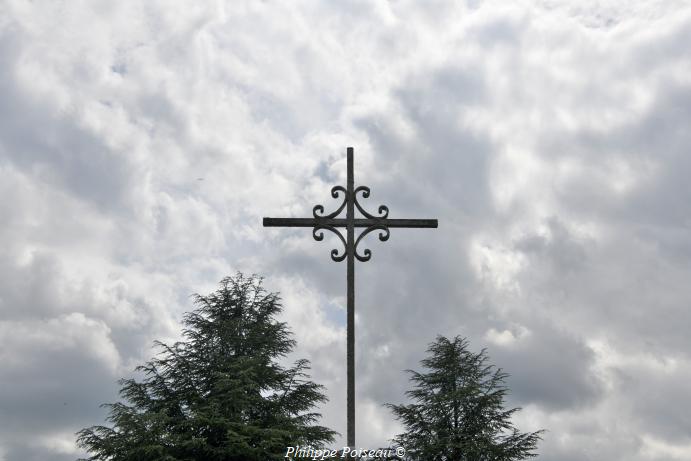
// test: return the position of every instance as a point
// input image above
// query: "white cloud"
(141, 144)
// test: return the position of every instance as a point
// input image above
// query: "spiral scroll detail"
(318, 210)
(367, 254)
(383, 209)
(318, 234)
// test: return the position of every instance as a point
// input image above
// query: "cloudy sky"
(142, 142)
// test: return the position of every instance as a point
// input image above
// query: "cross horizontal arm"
(340, 222)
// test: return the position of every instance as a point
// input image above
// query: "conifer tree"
(220, 394)
(458, 411)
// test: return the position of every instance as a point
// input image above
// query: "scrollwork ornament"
(318, 210)
(383, 209)
(367, 254)
(318, 234)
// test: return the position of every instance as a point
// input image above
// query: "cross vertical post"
(331, 222)
(350, 313)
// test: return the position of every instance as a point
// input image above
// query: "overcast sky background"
(142, 142)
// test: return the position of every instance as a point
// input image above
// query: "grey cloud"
(55, 380)
(509, 125)
(658, 397)
(51, 147)
(551, 369)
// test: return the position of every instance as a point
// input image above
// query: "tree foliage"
(458, 411)
(220, 394)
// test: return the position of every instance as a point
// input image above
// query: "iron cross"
(319, 222)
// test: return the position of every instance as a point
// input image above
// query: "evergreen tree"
(219, 394)
(458, 411)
